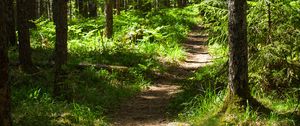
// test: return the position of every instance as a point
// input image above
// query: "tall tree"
(166, 3)
(184, 3)
(238, 61)
(82, 7)
(5, 116)
(239, 91)
(32, 4)
(269, 40)
(179, 3)
(60, 16)
(11, 25)
(24, 36)
(117, 2)
(92, 7)
(109, 18)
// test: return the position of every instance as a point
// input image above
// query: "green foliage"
(141, 41)
(273, 66)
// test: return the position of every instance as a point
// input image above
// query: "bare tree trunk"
(238, 61)
(109, 18)
(70, 9)
(32, 11)
(82, 7)
(184, 3)
(85, 8)
(125, 4)
(92, 9)
(48, 9)
(60, 16)
(38, 2)
(5, 115)
(11, 25)
(118, 7)
(269, 23)
(24, 37)
(239, 91)
(167, 3)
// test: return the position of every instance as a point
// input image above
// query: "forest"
(149, 62)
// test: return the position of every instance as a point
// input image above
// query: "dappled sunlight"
(150, 63)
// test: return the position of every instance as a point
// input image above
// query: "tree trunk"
(269, 41)
(85, 8)
(139, 4)
(125, 4)
(70, 10)
(184, 3)
(43, 8)
(60, 16)
(239, 91)
(5, 115)
(92, 9)
(38, 8)
(49, 10)
(109, 18)
(179, 3)
(81, 7)
(238, 61)
(118, 7)
(11, 25)
(32, 11)
(167, 3)
(24, 37)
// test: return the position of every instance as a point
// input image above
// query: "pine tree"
(5, 115)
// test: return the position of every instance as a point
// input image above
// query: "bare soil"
(149, 108)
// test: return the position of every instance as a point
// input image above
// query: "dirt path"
(149, 107)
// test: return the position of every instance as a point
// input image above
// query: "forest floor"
(149, 108)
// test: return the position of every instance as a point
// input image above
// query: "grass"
(202, 99)
(141, 41)
(273, 75)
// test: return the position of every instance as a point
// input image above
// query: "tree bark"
(60, 17)
(24, 37)
(81, 7)
(269, 40)
(11, 25)
(179, 3)
(5, 115)
(109, 18)
(184, 3)
(167, 3)
(238, 52)
(118, 7)
(239, 91)
(32, 9)
(92, 9)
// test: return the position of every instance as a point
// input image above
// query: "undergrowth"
(273, 67)
(142, 40)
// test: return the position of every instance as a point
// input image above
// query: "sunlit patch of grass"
(202, 109)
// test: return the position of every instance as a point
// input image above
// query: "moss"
(236, 103)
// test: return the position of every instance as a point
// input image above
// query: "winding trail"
(149, 107)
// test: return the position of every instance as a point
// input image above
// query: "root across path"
(149, 108)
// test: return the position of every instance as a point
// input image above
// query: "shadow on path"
(149, 108)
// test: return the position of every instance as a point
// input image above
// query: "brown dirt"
(149, 107)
